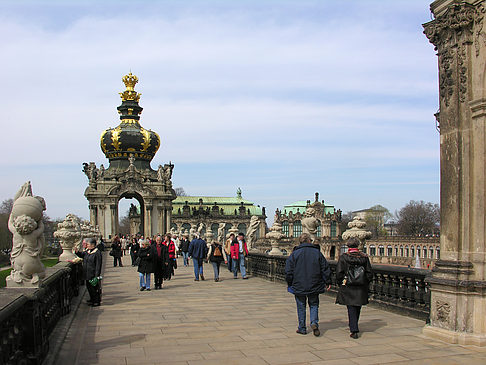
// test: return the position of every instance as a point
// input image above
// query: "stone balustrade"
(28, 316)
(398, 289)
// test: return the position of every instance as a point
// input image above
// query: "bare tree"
(375, 219)
(180, 191)
(6, 206)
(418, 218)
(124, 225)
(345, 219)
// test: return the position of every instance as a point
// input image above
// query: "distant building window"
(407, 251)
(285, 228)
(418, 251)
(186, 227)
(297, 228)
(372, 250)
(431, 250)
(333, 229)
(381, 250)
(319, 229)
(227, 227)
(401, 251)
(412, 251)
(389, 251)
(425, 252)
(173, 226)
(438, 253)
(242, 228)
(396, 250)
(364, 248)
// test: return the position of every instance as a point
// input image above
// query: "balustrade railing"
(399, 289)
(28, 320)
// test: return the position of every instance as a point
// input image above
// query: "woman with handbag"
(353, 275)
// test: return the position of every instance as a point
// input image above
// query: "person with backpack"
(215, 256)
(307, 274)
(353, 275)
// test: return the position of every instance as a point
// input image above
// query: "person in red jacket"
(172, 255)
(238, 253)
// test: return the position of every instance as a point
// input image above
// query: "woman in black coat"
(116, 251)
(92, 261)
(353, 293)
(146, 265)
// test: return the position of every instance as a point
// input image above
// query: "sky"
(280, 98)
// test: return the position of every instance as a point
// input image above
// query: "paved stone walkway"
(237, 322)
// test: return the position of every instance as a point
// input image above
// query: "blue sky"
(280, 98)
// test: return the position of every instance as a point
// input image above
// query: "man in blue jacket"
(308, 275)
(198, 250)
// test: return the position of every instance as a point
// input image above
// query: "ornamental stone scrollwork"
(443, 310)
(450, 33)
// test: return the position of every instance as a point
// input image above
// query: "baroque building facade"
(205, 213)
(291, 216)
(129, 148)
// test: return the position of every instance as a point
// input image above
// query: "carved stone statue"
(70, 236)
(25, 223)
(101, 171)
(252, 231)
(310, 223)
(192, 232)
(200, 229)
(91, 171)
(221, 232)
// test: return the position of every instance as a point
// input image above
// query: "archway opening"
(130, 215)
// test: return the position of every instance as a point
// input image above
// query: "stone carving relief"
(310, 223)
(221, 232)
(450, 33)
(443, 310)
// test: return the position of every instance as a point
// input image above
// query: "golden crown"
(130, 94)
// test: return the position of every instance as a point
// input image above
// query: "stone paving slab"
(237, 322)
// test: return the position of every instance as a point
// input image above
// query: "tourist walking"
(134, 248)
(124, 244)
(171, 248)
(161, 262)
(307, 274)
(184, 249)
(198, 250)
(116, 251)
(227, 251)
(238, 253)
(145, 265)
(353, 275)
(215, 256)
(92, 261)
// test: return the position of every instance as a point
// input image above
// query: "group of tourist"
(308, 275)
(307, 271)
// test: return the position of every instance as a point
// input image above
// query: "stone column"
(148, 220)
(458, 282)
(114, 220)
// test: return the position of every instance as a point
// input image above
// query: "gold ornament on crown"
(130, 94)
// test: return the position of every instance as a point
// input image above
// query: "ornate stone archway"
(129, 148)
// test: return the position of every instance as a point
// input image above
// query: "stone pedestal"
(458, 282)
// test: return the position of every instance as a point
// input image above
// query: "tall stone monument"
(129, 148)
(458, 282)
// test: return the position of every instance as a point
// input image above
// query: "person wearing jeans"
(184, 246)
(215, 256)
(307, 274)
(145, 266)
(198, 250)
(238, 253)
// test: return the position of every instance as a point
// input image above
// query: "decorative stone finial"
(356, 230)
(69, 234)
(274, 236)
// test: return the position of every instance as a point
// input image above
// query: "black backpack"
(356, 276)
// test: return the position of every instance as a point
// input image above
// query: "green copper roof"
(228, 204)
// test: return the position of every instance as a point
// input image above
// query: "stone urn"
(274, 236)
(356, 230)
(69, 234)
